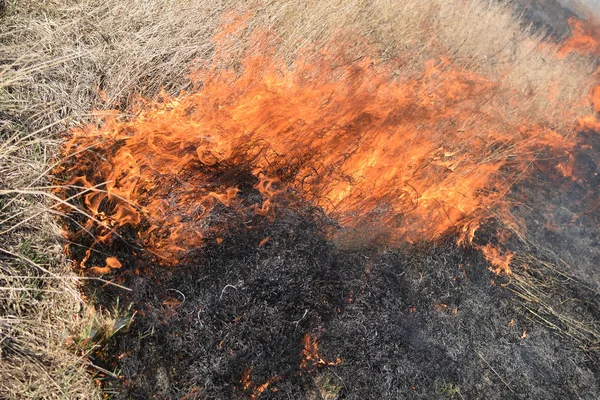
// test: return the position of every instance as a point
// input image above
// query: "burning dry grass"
(62, 59)
(425, 139)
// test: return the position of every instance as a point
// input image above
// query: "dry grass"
(483, 37)
(546, 292)
(57, 54)
(39, 300)
(134, 46)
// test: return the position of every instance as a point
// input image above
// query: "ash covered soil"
(427, 321)
(422, 322)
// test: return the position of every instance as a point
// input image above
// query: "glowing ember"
(255, 390)
(403, 158)
(310, 354)
(246, 381)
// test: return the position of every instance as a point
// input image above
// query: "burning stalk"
(310, 355)
(395, 158)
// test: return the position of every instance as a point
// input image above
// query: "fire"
(310, 354)
(583, 39)
(405, 158)
(111, 263)
(310, 360)
(500, 261)
(256, 390)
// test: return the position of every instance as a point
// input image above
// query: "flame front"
(407, 157)
(583, 39)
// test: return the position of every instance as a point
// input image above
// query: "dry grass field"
(62, 59)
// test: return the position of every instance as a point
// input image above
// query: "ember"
(310, 354)
(255, 390)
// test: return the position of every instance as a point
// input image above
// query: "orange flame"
(408, 158)
(111, 263)
(256, 390)
(500, 261)
(310, 354)
(584, 38)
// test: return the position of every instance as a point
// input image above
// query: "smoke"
(583, 8)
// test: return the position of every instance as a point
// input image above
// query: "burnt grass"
(563, 212)
(422, 321)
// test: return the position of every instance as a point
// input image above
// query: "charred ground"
(564, 220)
(423, 321)
(420, 321)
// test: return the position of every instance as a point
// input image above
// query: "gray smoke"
(583, 8)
